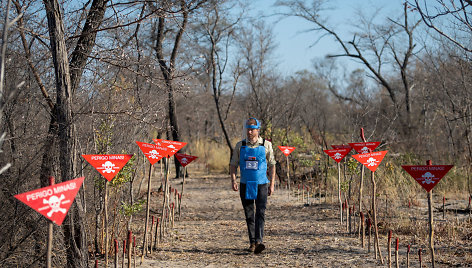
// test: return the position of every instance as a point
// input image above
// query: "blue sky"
(295, 46)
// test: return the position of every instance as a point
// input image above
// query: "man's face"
(252, 133)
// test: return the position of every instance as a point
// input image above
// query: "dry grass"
(215, 156)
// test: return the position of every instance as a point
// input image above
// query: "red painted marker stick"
(116, 253)
(419, 257)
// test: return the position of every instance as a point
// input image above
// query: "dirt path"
(212, 233)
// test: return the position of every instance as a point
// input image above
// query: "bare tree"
(372, 48)
(449, 18)
(7, 24)
(167, 12)
(219, 31)
(259, 78)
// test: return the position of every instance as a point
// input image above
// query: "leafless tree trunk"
(67, 79)
(6, 25)
(168, 68)
(74, 228)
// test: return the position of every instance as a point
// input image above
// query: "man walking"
(255, 157)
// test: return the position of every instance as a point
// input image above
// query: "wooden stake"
(389, 248)
(361, 186)
(363, 231)
(353, 219)
(350, 219)
(470, 208)
(361, 183)
(156, 235)
(339, 195)
(374, 212)
(369, 226)
(397, 264)
(116, 253)
(172, 215)
(50, 235)
(146, 224)
(303, 193)
(288, 177)
(180, 203)
(105, 211)
(134, 250)
(408, 257)
(307, 195)
(176, 199)
(130, 234)
(375, 247)
(124, 254)
(152, 226)
(346, 208)
(431, 229)
(165, 201)
(419, 257)
(444, 207)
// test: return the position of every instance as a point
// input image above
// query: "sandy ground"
(212, 233)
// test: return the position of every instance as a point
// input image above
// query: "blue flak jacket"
(253, 166)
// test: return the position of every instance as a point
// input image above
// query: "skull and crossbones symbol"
(54, 203)
(184, 160)
(108, 166)
(365, 150)
(153, 154)
(337, 156)
(428, 178)
(371, 162)
(172, 148)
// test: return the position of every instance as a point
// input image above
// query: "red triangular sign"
(371, 160)
(173, 146)
(286, 150)
(185, 159)
(342, 146)
(337, 154)
(153, 152)
(428, 176)
(53, 202)
(108, 164)
(364, 147)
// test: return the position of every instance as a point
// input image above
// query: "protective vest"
(253, 166)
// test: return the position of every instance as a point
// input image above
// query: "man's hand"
(271, 189)
(272, 179)
(235, 185)
(232, 172)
